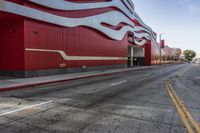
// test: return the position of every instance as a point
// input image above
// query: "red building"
(41, 37)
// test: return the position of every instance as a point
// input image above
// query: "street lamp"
(161, 47)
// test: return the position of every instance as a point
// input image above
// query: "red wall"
(79, 41)
(147, 48)
(12, 42)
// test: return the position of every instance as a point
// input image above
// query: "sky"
(179, 20)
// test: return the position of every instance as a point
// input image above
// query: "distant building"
(171, 54)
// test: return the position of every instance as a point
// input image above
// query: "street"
(128, 102)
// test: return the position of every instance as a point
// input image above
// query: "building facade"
(42, 37)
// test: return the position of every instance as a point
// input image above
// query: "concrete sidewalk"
(20, 83)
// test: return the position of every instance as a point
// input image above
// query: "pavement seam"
(120, 98)
(115, 114)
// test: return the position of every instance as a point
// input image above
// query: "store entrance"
(136, 56)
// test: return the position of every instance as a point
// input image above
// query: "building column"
(131, 56)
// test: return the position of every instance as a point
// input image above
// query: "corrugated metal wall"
(11, 42)
(79, 41)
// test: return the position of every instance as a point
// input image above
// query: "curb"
(19, 87)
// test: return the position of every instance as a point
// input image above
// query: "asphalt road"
(187, 87)
(130, 102)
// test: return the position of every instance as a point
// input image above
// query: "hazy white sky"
(179, 19)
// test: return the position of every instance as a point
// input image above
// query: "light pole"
(160, 38)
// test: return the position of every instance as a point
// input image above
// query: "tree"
(189, 54)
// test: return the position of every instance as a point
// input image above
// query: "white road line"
(121, 82)
(147, 75)
(17, 110)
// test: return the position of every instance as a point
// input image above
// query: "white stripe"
(118, 83)
(95, 22)
(66, 5)
(25, 108)
(147, 75)
(132, 5)
(128, 6)
(66, 57)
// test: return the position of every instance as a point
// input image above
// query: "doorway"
(136, 56)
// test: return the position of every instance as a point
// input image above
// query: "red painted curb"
(65, 80)
(58, 81)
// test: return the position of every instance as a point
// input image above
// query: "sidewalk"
(20, 83)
